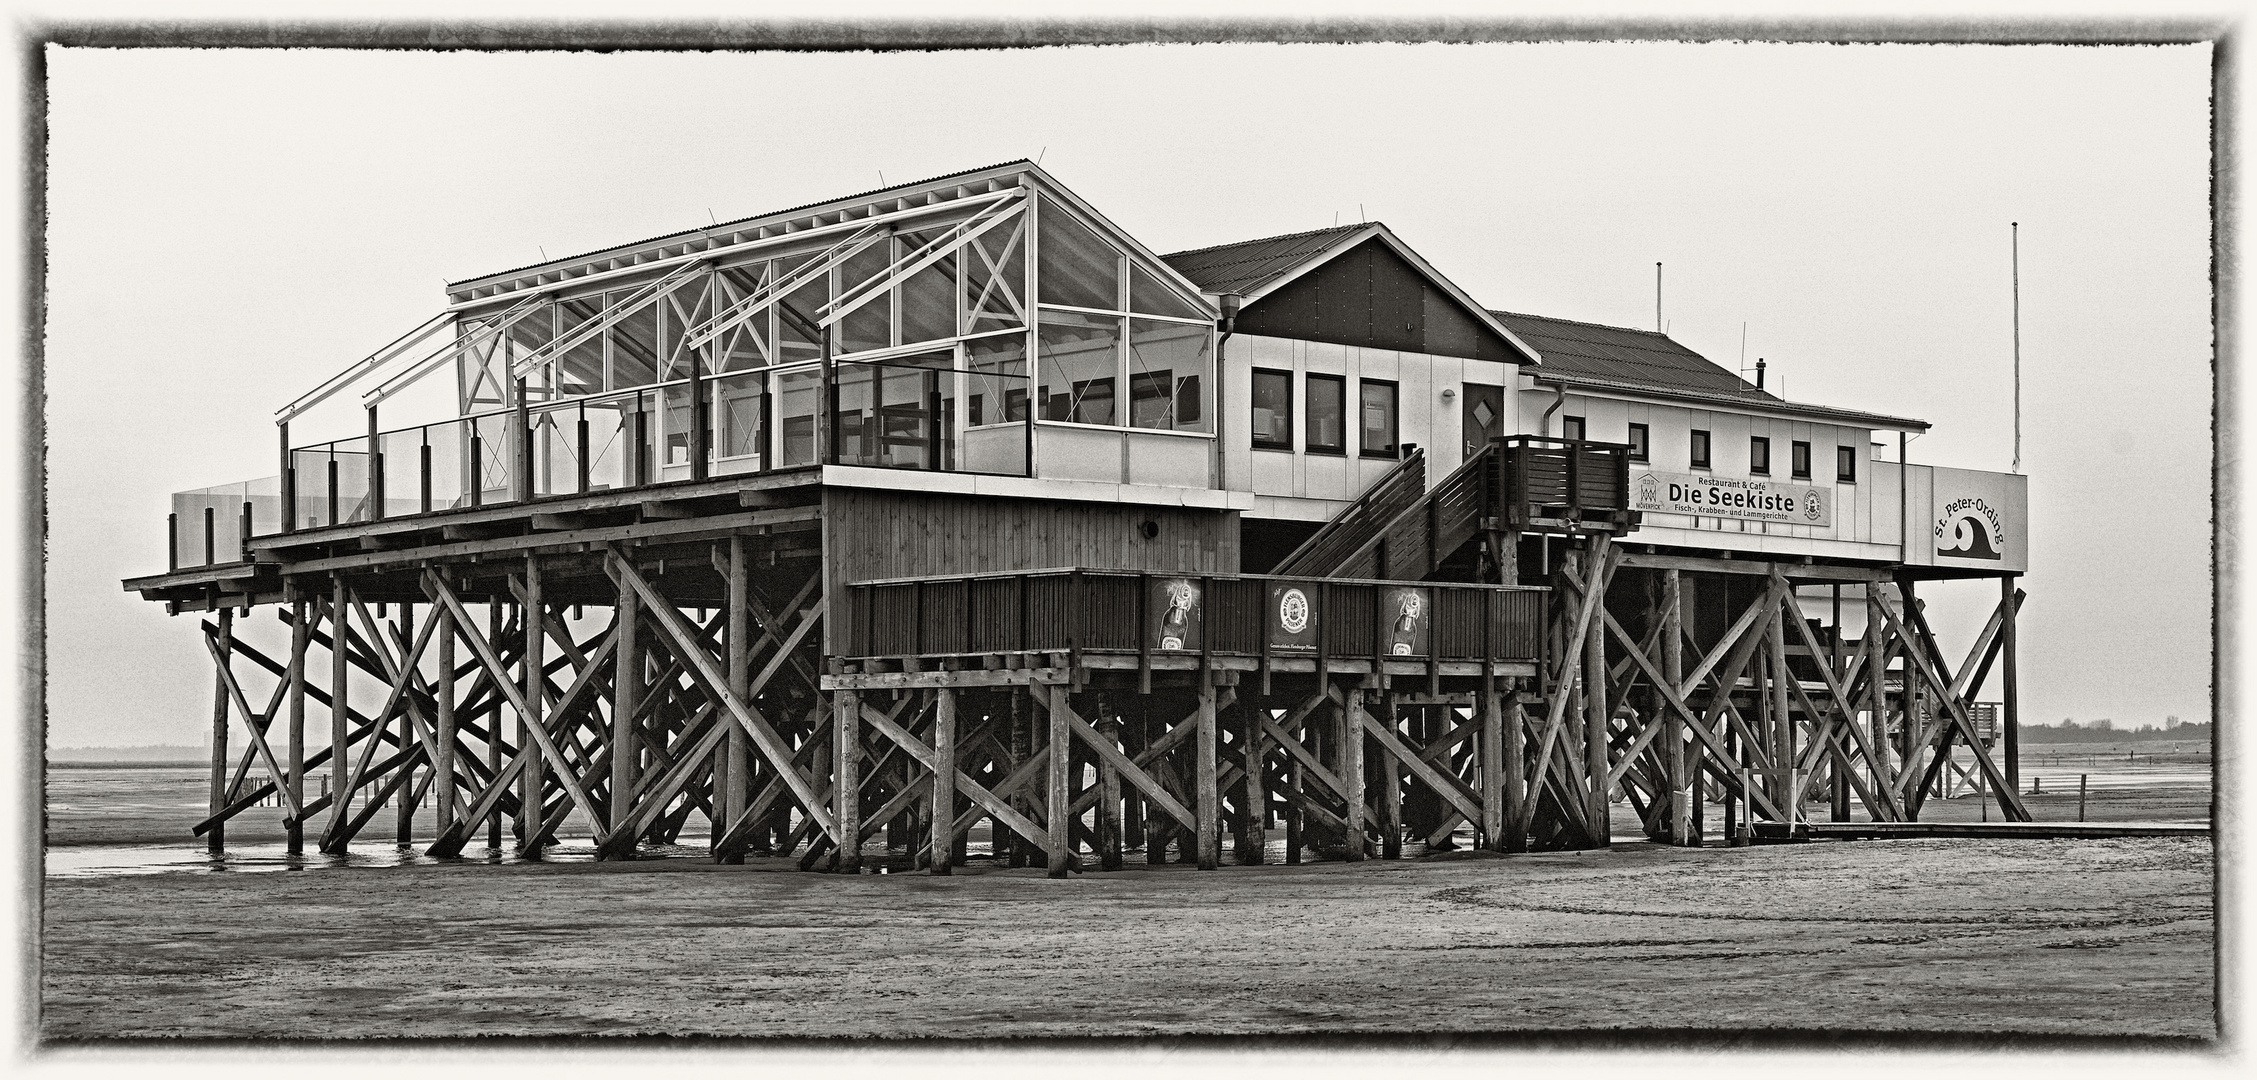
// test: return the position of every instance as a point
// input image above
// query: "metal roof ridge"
(1593, 325)
(1766, 401)
(708, 230)
(1267, 239)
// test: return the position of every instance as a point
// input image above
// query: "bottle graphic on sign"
(1404, 635)
(1175, 625)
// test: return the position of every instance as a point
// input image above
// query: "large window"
(1700, 449)
(1376, 408)
(1081, 362)
(1759, 455)
(1273, 409)
(1326, 423)
(1144, 362)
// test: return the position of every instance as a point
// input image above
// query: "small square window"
(1700, 449)
(1571, 427)
(1327, 418)
(1638, 439)
(1759, 456)
(1845, 464)
(1800, 460)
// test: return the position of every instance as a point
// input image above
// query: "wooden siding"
(870, 534)
(1368, 296)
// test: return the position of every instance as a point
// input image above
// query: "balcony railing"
(1067, 610)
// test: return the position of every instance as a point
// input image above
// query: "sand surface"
(2087, 937)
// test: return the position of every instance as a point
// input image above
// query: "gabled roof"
(1247, 267)
(1621, 358)
(1256, 268)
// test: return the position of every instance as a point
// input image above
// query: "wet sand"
(2083, 938)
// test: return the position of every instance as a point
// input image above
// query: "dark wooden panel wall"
(887, 534)
(1370, 297)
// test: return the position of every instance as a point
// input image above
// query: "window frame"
(1756, 443)
(1641, 440)
(1798, 459)
(1700, 448)
(1581, 425)
(1260, 440)
(1308, 429)
(1394, 418)
(1845, 464)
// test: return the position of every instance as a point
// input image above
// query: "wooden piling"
(533, 667)
(443, 768)
(1208, 810)
(301, 635)
(846, 759)
(215, 841)
(340, 720)
(1059, 804)
(1108, 792)
(732, 772)
(1351, 764)
(1254, 800)
(941, 839)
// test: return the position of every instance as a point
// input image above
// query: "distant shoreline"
(128, 764)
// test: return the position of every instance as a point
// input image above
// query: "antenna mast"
(2016, 226)
(1657, 298)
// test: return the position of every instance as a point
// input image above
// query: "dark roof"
(1621, 358)
(733, 222)
(1248, 265)
(1620, 354)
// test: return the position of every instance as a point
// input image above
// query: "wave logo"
(1969, 529)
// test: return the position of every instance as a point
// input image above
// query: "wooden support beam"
(943, 838)
(1205, 785)
(1058, 800)
(1351, 770)
(846, 783)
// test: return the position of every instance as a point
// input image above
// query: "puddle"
(108, 860)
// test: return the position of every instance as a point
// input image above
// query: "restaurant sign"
(1746, 498)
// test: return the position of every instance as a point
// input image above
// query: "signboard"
(1293, 617)
(1978, 520)
(1177, 614)
(1406, 615)
(1745, 498)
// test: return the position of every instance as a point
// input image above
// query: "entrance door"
(1484, 416)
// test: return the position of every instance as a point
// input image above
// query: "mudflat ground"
(143, 937)
(2077, 938)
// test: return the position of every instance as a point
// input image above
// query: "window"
(1165, 359)
(1377, 402)
(1080, 366)
(1571, 427)
(1845, 464)
(1273, 409)
(1800, 460)
(1327, 420)
(1759, 455)
(1638, 439)
(1700, 449)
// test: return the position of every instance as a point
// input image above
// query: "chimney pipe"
(1759, 373)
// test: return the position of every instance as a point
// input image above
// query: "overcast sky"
(227, 228)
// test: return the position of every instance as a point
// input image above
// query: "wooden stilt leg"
(340, 720)
(1517, 793)
(301, 636)
(1680, 761)
(443, 769)
(1060, 796)
(1598, 717)
(731, 779)
(942, 839)
(1134, 739)
(846, 757)
(1390, 787)
(1109, 812)
(1255, 809)
(1351, 762)
(1296, 789)
(215, 841)
(626, 698)
(1491, 757)
(532, 665)
(2009, 736)
(1208, 810)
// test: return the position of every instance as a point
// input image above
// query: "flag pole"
(2016, 226)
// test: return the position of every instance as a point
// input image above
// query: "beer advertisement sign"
(1404, 619)
(1745, 498)
(1175, 605)
(1293, 616)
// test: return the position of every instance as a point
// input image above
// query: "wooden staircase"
(1399, 530)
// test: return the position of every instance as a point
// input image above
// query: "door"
(1484, 417)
